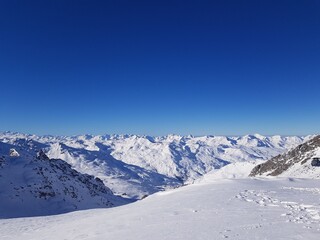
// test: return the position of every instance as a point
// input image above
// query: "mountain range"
(134, 166)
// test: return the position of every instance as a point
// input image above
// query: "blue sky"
(159, 67)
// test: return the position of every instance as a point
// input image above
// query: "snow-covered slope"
(238, 209)
(231, 171)
(135, 166)
(294, 163)
(124, 179)
(32, 185)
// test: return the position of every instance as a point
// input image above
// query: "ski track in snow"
(306, 214)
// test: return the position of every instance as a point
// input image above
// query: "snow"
(221, 202)
(302, 171)
(34, 185)
(317, 153)
(13, 153)
(295, 163)
(245, 208)
(233, 170)
(135, 166)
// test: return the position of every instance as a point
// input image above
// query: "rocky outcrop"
(301, 155)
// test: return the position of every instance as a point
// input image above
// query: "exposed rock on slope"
(295, 163)
(33, 185)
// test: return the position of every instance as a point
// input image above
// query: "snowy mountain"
(302, 161)
(222, 203)
(135, 166)
(32, 184)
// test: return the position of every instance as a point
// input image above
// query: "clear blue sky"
(159, 67)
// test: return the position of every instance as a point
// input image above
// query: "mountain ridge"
(135, 166)
(296, 162)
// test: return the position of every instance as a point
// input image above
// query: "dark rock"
(42, 156)
(315, 162)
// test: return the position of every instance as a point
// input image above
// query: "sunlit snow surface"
(210, 209)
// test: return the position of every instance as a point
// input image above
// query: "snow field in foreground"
(272, 208)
